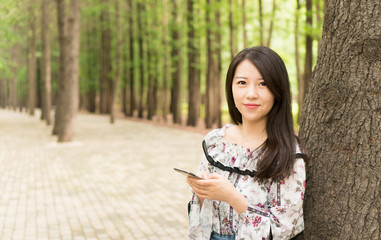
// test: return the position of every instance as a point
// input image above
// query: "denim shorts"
(217, 236)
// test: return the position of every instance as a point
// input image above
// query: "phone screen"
(187, 173)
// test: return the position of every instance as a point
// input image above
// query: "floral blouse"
(271, 204)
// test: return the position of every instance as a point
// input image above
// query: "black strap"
(234, 169)
(223, 167)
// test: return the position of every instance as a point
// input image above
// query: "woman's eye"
(241, 82)
(263, 84)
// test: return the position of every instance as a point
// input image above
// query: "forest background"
(159, 60)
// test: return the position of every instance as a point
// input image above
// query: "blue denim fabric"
(216, 236)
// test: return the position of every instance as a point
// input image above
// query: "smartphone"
(187, 173)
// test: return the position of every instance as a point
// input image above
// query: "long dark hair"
(278, 151)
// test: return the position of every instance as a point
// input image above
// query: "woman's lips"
(251, 106)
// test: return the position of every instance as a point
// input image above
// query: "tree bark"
(106, 65)
(341, 126)
(32, 60)
(232, 33)
(69, 86)
(245, 40)
(166, 60)
(115, 81)
(46, 69)
(271, 23)
(193, 69)
(299, 75)
(131, 59)
(303, 86)
(261, 28)
(141, 23)
(176, 65)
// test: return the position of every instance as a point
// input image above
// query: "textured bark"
(245, 40)
(115, 81)
(299, 75)
(232, 32)
(213, 78)
(46, 69)
(69, 84)
(193, 69)
(131, 61)
(166, 62)
(32, 60)
(303, 85)
(176, 65)
(141, 24)
(261, 28)
(106, 67)
(341, 126)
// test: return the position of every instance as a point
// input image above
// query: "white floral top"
(272, 204)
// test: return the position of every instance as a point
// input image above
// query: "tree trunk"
(32, 60)
(69, 91)
(106, 65)
(245, 40)
(308, 57)
(131, 57)
(193, 69)
(213, 71)
(141, 58)
(62, 32)
(46, 69)
(115, 82)
(271, 24)
(218, 66)
(233, 47)
(341, 126)
(299, 75)
(261, 28)
(176, 65)
(166, 62)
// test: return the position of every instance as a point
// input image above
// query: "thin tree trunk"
(268, 43)
(176, 64)
(46, 69)
(218, 66)
(106, 65)
(69, 92)
(141, 23)
(210, 104)
(115, 82)
(32, 60)
(341, 126)
(299, 75)
(166, 62)
(233, 48)
(62, 32)
(308, 57)
(245, 40)
(193, 72)
(261, 28)
(131, 61)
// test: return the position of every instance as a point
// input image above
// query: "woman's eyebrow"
(240, 77)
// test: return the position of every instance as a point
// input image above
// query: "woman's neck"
(253, 134)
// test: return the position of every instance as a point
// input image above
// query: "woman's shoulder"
(217, 134)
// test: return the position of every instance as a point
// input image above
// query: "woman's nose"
(252, 92)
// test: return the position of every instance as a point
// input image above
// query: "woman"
(253, 174)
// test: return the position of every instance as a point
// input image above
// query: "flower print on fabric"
(271, 204)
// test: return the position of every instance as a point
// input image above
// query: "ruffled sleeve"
(286, 203)
(200, 219)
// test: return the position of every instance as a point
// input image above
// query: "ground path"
(112, 182)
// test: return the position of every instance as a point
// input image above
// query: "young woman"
(253, 173)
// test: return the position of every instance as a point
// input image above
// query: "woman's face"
(251, 96)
